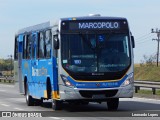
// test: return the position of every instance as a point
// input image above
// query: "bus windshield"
(95, 53)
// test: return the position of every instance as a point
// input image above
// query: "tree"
(148, 60)
(5, 65)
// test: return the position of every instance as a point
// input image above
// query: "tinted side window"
(24, 46)
(41, 45)
(48, 38)
(33, 46)
(29, 45)
(16, 48)
(37, 45)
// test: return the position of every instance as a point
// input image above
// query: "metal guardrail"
(7, 79)
(146, 84)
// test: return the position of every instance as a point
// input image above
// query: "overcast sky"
(141, 14)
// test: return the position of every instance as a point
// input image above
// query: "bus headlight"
(66, 81)
(129, 80)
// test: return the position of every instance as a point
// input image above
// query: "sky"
(142, 15)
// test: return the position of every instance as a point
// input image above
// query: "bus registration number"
(98, 96)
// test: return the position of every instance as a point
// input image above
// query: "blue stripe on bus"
(97, 84)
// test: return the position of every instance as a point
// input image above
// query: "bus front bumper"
(68, 93)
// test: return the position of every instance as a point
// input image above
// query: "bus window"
(41, 45)
(16, 49)
(24, 46)
(33, 39)
(29, 45)
(48, 43)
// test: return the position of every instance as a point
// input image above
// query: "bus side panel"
(16, 75)
(55, 85)
(18, 64)
(44, 71)
(41, 77)
(27, 71)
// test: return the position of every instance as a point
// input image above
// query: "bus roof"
(50, 24)
(93, 18)
(38, 27)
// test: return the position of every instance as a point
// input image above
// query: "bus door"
(34, 62)
(20, 48)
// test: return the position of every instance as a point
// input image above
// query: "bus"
(75, 60)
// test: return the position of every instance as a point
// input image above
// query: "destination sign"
(94, 25)
(98, 25)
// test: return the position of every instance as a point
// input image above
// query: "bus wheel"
(56, 105)
(113, 103)
(29, 99)
(38, 102)
(84, 102)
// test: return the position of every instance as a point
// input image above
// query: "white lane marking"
(17, 99)
(56, 118)
(146, 99)
(2, 85)
(5, 105)
(18, 109)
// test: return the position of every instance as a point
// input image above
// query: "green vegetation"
(149, 73)
(148, 92)
(6, 66)
(147, 70)
(6, 82)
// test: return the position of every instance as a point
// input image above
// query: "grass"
(7, 73)
(6, 82)
(148, 73)
(148, 92)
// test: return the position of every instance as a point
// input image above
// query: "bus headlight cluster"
(66, 81)
(129, 80)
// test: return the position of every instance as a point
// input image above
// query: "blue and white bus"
(76, 60)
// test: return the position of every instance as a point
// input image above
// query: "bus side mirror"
(56, 42)
(133, 43)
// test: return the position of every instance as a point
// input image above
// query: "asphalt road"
(11, 100)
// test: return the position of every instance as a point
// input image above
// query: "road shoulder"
(149, 96)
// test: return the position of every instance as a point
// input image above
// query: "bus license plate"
(98, 96)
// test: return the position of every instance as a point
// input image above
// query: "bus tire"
(29, 99)
(112, 104)
(38, 102)
(84, 102)
(56, 105)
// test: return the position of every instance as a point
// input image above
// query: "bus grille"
(90, 93)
